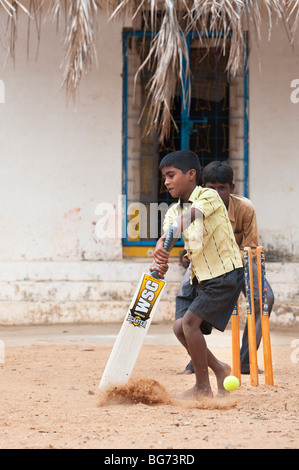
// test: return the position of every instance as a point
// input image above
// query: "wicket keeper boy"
(219, 175)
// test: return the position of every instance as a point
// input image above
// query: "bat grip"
(169, 241)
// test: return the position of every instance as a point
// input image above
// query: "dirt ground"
(50, 398)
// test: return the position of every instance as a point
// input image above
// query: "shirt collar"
(193, 195)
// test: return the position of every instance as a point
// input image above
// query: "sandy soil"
(50, 399)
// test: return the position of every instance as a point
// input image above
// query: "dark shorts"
(212, 300)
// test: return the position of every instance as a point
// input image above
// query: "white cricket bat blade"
(129, 341)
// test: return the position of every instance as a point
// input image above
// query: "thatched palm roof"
(168, 46)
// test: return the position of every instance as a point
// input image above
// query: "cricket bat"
(137, 321)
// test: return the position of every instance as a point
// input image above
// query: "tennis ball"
(231, 383)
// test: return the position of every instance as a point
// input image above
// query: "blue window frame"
(212, 116)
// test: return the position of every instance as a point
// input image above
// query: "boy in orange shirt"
(219, 176)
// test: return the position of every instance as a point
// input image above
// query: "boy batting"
(208, 297)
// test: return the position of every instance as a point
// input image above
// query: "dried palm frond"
(216, 22)
(292, 11)
(35, 11)
(79, 41)
(79, 38)
(11, 28)
(167, 53)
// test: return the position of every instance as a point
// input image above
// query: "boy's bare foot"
(195, 393)
(223, 370)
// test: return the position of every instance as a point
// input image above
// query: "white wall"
(57, 161)
(274, 154)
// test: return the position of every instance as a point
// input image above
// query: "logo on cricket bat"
(146, 298)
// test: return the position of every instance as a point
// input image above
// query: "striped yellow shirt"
(209, 240)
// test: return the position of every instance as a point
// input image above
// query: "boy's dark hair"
(183, 160)
(218, 172)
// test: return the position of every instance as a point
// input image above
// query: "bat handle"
(172, 236)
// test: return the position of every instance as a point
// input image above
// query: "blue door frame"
(186, 122)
